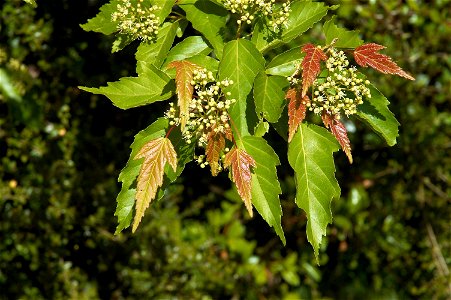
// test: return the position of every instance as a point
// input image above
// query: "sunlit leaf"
(343, 38)
(367, 55)
(269, 95)
(240, 163)
(310, 154)
(183, 77)
(311, 65)
(297, 108)
(156, 154)
(265, 189)
(339, 131)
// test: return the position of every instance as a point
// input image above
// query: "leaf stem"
(169, 131)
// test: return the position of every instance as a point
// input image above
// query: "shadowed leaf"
(339, 131)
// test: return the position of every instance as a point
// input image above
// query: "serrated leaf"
(339, 131)
(265, 189)
(297, 108)
(269, 95)
(155, 53)
(156, 153)
(122, 40)
(262, 34)
(303, 15)
(261, 129)
(150, 86)
(102, 22)
(375, 112)
(209, 19)
(310, 154)
(285, 64)
(344, 38)
(183, 77)
(189, 47)
(215, 145)
(311, 65)
(367, 55)
(126, 197)
(241, 62)
(240, 163)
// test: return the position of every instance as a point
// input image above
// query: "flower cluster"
(342, 90)
(247, 9)
(207, 110)
(137, 19)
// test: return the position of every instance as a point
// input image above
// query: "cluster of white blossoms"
(137, 19)
(207, 110)
(248, 9)
(342, 90)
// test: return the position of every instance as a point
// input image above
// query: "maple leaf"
(156, 153)
(183, 77)
(215, 145)
(311, 65)
(339, 131)
(296, 110)
(367, 55)
(240, 162)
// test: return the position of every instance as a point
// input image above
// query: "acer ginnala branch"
(209, 81)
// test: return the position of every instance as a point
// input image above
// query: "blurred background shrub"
(61, 151)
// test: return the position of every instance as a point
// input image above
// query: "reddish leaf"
(156, 154)
(297, 108)
(183, 77)
(311, 65)
(241, 163)
(215, 145)
(339, 131)
(367, 55)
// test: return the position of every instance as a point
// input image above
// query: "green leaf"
(128, 175)
(189, 47)
(122, 40)
(269, 95)
(345, 38)
(7, 87)
(310, 154)
(32, 3)
(285, 63)
(303, 15)
(265, 184)
(374, 111)
(262, 35)
(165, 8)
(102, 22)
(261, 129)
(241, 62)
(150, 86)
(209, 19)
(155, 53)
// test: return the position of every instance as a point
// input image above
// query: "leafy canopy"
(225, 94)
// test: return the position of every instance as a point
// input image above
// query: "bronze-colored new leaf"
(240, 163)
(156, 153)
(183, 77)
(215, 145)
(297, 107)
(311, 65)
(339, 131)
(367, 55)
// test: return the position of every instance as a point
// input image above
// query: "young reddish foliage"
(311, 65)
(339, 131)
(367, 55)
(297, 107)
(156, 154)
(183, 77)
(215, 145)
(241, 163)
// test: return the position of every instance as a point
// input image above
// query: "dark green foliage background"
(65, 148)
